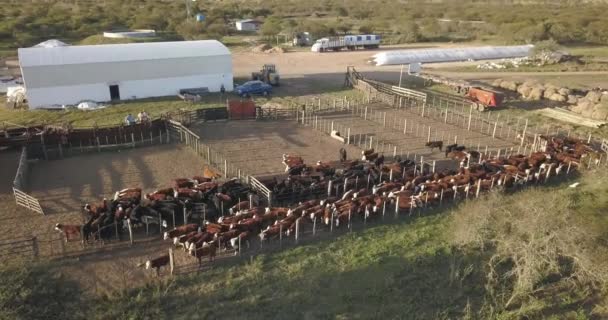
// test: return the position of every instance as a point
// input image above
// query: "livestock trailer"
(352, 42)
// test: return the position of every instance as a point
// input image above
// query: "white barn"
(248, 25)
(70, 74)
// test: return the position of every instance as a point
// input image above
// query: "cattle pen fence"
(459, 112)
(23, 247)
(20, 183)
(60, 143)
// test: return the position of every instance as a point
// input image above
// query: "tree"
(191, 30)
(342, 27)
(366, 28)
(342, 12)
(271, 27)
(408, 32)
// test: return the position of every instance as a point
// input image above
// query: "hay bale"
(600, 111)
(594, 96)
(572, 99)
(549, 92)
(524, 90)
(575, 108)
(509, 85)
(564, 91)
(532, 83)
(496, 82)
(557, 97)
(276, 50)
(587, 113)
(261, 48)
(535, 94)
(604, 98)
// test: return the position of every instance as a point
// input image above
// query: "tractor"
(267, 74)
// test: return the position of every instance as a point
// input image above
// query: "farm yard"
(369, 221)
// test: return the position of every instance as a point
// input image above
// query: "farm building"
(248, 25)
(67, 75)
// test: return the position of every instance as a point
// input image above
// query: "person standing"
(342, 154)
(129, 119)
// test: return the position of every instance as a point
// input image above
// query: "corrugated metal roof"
(249, 21)
(450, 54)
(32, 57)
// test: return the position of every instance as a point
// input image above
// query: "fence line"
(213, 157)
(20, 183)
(22, 246)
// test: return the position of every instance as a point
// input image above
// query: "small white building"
(248, 25)
(67, 75)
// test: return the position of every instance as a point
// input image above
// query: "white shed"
(70, 74)
(248, 25)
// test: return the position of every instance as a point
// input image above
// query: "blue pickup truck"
(250, 88)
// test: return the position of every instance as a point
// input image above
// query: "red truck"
(484, 98)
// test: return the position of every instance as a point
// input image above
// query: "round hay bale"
(557, 97)
(509, 85)
(572, 99)
(536, 94)
(549, 92)
(600, 112)
(532, 83)
(594, 96)
(524, 90)
(564, 91)
(576, 108)
(261, 48)
(584, 104)
(587, 113)
(496, 82)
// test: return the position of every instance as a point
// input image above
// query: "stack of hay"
(533, 90)
(594, 105)
(261, 48)
(276, 50)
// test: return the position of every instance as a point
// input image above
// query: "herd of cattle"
(368, 187)
(130, 208)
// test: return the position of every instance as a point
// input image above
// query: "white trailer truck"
(352, 42)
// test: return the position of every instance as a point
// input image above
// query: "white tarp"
(53, 43)
(89, 105)
(15, 94)
(450, 54)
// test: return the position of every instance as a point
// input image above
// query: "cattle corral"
(256, 147)
(63, 186)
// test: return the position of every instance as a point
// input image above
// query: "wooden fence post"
(130, 231)
(171, 261)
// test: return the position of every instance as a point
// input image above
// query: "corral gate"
(261, 189)
(605, 145)
(20, 183)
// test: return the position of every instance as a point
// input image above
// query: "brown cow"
(157, 263)
(181, 230)
(208, 250)
(71, 231)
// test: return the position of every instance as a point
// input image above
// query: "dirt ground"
(64, 185)
(305, 72)
(411, 142)
(256, 147)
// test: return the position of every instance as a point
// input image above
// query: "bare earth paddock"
(256, 147)
(64, 185)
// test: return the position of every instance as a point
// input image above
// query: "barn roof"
(32, 57)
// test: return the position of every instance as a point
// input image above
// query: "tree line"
(29, 22)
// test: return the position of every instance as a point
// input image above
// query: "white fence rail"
(261, 189)
(20, 183)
